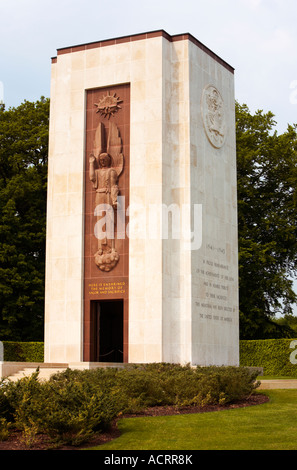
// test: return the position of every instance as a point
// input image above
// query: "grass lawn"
(272, 426)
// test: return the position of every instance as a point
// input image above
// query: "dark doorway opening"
(108, 324)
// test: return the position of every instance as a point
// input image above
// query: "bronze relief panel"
(106, 250)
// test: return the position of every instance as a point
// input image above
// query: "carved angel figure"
(106, 164)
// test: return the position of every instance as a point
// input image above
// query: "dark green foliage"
(289, 322)
(267, 222)
(23, 190)
(73, 405)
(271, 354)
(169, 384)
(68, 410)
(23, 352)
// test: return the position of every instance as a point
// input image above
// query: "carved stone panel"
(106, 164)
(213, 114)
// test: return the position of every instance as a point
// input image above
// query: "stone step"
(274, 384)
(44, 373)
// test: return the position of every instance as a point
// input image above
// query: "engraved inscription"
(107, 288)
(216, 302)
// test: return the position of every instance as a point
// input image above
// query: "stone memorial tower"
(142, 257)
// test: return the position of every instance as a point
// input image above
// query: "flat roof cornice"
(141, 36)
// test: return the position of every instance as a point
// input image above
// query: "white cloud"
(280, 41)
(257, 37)
(252, 4)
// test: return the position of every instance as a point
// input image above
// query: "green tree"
(289, 321)
(23, 181)
(267, 222)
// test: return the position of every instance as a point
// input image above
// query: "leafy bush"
(4, 429)
(68, 411)
(162, 384)
(73, 404)
(225, 384)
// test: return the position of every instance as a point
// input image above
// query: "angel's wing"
(114, 148)
(99, 142)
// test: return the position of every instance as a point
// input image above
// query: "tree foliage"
(267, 222)
(23, 179)
(290, 322)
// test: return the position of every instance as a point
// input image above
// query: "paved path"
(281, 383)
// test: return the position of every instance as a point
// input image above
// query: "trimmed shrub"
(159, 384)
(4, 429)
(68, 411)
(169, 384)
(23, 352)
(271, 354)
(74, 404)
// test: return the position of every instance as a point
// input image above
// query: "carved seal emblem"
(213, 114)
(108, 105)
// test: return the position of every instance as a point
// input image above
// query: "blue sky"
(257, 37)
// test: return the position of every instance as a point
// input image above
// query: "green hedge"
(271, 354)
(23, 352)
